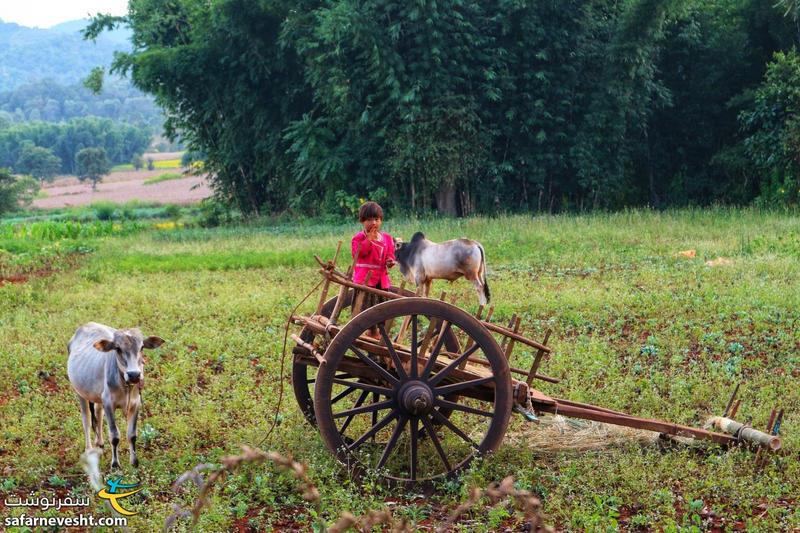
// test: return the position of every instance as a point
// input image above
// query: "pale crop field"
(636, 327)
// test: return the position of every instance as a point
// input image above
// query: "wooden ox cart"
(412, 389)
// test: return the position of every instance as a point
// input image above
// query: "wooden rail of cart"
(412, 389)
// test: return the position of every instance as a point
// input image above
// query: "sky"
(47, 13)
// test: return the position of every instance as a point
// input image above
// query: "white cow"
(105, 368)
(421, 261)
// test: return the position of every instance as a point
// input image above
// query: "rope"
(283, 361)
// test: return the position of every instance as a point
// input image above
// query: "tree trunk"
(446, 200)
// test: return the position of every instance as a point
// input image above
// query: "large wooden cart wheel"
(304, 375)
(391, 429)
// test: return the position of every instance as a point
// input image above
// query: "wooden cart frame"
(412, 389)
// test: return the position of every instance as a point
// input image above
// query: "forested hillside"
(479, 106)
(47, 114)
(49, 101)
(60, 53)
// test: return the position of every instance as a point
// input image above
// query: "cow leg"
(133, 415)
(85, 406)
(98, 431)
(428, 287)
(113, 433)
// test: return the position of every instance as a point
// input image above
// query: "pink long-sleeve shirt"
(370, 264)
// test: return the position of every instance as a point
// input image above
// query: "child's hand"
(372, 234)
(390, 263)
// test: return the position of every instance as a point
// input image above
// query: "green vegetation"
(466, 107)
(65, 140)
(38, 162)
(636, 328)
(167, 176)
(14, 191)
(49, 101)
(92, 165)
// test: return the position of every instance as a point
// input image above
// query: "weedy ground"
(635, 328)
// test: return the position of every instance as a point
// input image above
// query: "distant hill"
(30, 54)
(41, 74)
(73, 27)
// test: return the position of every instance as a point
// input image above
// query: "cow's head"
(406, 252)
(127, 348)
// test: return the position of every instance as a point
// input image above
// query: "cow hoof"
(115, 465)
(135, 463)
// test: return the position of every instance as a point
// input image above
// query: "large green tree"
(92, 165)
(41, 163)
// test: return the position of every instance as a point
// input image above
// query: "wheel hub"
(416, 398)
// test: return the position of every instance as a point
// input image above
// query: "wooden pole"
(510, 345)
(537, 360)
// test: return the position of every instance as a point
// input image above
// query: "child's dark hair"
(370, 210)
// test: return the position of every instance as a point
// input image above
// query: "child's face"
(371, 224)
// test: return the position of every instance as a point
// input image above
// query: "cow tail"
(485, 283)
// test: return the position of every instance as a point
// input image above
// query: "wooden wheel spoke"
(369, 408)
(440, 375)
(431, 431)
(414, 369)
(361, 399)
(448, 389)
(387, 451)
(344, 393)
(452, 427)
(382, 372)
(463, 408)
(444, 331)
(364, 386)
(375, 398)
(414, 444)
(398, 364)
(373, 430)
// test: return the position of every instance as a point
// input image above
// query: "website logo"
(117, 491)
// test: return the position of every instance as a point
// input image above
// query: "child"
(373, 253)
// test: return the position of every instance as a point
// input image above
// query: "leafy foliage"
(774, 123)
(38, 162)
(460, 106)
(14, 191)
(65, 140)
(49, 101)
(92, 165)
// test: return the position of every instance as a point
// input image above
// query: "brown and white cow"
(421, 261)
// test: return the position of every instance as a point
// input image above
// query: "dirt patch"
(49, 383)
(120, 187)
(14, 278)
(48, 268)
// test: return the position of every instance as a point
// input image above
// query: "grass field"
(635, 328)
(166, 176)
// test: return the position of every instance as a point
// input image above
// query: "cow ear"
(152, 342)
(104, 345)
